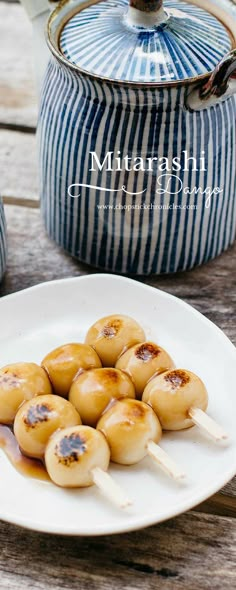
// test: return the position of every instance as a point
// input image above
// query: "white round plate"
(38, 319)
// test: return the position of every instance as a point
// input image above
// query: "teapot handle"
(220, 86)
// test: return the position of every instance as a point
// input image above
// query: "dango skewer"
(179, 398)
(133, 431)
(79, 457)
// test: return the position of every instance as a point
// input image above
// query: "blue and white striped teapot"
(137, 131)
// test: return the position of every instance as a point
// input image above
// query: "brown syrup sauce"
(24, 465)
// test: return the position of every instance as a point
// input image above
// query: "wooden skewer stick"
(203, 421)
(110, 488)
(164, 461)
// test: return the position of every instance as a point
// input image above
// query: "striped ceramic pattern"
(3, 246)
(189, 44)
(78, 115)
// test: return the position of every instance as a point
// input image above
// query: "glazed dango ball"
(142, 361)
(20, 382)
(128, 426)
(93, 390)
(63, 363)
(113, 335)
(172, 394)
(73, 453)
(38, 419)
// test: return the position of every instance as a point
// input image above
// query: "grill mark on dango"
(111, 374)
(136, 411)
(177, 378)
(111, 329)
(37, 414)
(70, 448)
(9, 379)
(147, 351)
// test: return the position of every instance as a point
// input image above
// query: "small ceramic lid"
(145, 41)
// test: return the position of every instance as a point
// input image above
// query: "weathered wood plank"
(33, 257)
(220, 504)
(18, 165)
(17, 89)
(230, 489)
(21, 202)
(169, 555)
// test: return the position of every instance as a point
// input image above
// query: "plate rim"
(123, 279)
(145, 521)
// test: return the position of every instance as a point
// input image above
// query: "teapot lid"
(143, 42)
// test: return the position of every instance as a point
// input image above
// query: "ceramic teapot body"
(137, 178)
(108, 201)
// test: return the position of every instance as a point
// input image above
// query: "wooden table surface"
(195, 550)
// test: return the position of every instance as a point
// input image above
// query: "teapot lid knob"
(147, 5)
(146, 13)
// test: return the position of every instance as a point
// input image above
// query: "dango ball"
(92, 391)
(112, 335)
(128, 426)
(20, 382)
(172, 394)
(63, 363)
(142, 361)
(73, 453)
(38, 419)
